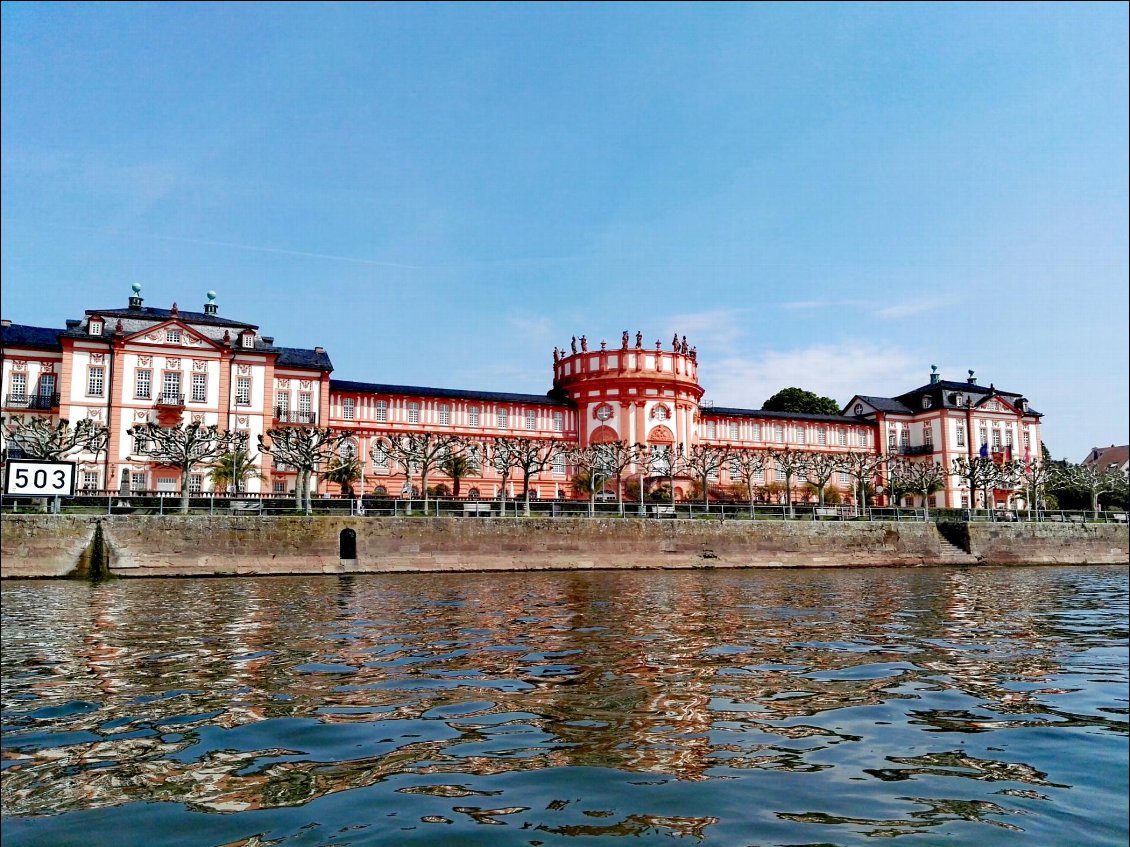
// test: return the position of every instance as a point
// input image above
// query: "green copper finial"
(136, 287)
(211, 296)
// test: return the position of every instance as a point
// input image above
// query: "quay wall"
(56, 545)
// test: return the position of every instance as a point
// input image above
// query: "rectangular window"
(170, 386)
(801, 435)
(444, 414)
(734, 469)
(559, 422)
(965, 501)
(984, 433)
(414, 413)
(139, 444)
(904, 436)
(348, 408)
(531, 420)
(19, 387)
(473, 416)
(172, 336)
(381, 411)
(243, 391)
(1008, 437)
(279, 486)
(845, 478)
(248, 340)
(779, 434)
(380, 458)
(733, 431)
(195, 483)
(996, 439)
(864, 438)
(841, 437)
(821, 436)
(502, 418)
(96, 327)
(90, 480)
(559, 464)
(712, 474)
(96, 381)
(282, 405)
(199, 388)
(711, 429)
(961, 435)
(759, 476)
(892, 438)
(1027, 440)
(305, 407)
(928, 435)
(757, 432)
(137, 482)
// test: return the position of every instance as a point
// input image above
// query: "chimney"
(972, 379)
(269, 340)
(934, 375)
(5, 322)
(135, 300)
(319, 349)
(210, 308)
(71, 323)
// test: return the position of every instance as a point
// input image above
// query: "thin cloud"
(838, 372)
(906, 310)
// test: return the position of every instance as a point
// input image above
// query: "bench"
(662, 511)
(827, 512)
(476, 509)
(1055, 518)
(1119, 517)
(246, 507)
(121, 507)
(1077, 518)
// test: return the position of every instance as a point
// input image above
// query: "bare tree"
(585, 462)
(1090, 480)
(790, 463)
(53, 441)
(981, 474)
(862, 467)
(705, 461)
(920, 477)
(1034, 475)
(185, 447)
(419, 452)
(615, 457)
(746, 465)
(530, 456)
(306, 449)
(504, 457)
(819, 468)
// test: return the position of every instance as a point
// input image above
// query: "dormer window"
(957, 399)
(1023, 405)
(172, 336)
(248, 339)
(96, 327)
(927, 402)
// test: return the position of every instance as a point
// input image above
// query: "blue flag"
(984, 449)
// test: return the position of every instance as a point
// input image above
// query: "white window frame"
(243, 391)
(200, 388)
(348, 408)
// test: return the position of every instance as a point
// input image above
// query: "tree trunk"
(184, 492)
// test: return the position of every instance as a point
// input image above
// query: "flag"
(1027, 458)
(1008, 452)
(985, 449)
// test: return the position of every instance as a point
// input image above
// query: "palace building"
(122, 367)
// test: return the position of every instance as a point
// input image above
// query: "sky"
(831, 196)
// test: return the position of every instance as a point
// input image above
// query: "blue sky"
(829, 196)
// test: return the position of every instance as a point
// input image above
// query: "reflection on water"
(761, 708)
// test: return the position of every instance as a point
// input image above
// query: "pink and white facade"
(122, 367)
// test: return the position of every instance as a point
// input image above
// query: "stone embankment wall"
(55, 546)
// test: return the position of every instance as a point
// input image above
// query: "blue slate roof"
(165, 314)
(21, 335)
(347, 387)
(296, 357)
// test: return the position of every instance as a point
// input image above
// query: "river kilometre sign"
(32, 478)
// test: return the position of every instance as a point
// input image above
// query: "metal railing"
(170, 400)
(32, 401)
(274, 504)
(289, 416)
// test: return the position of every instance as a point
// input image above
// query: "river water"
(788, 707)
